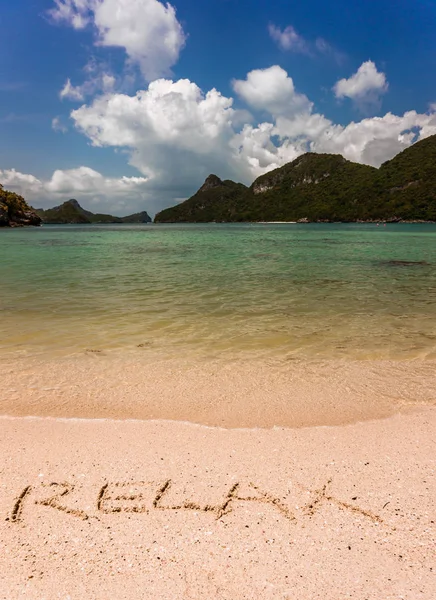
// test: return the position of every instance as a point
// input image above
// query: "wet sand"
(254, 393)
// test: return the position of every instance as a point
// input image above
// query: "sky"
(128, 105)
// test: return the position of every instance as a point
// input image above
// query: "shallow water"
(220, 290)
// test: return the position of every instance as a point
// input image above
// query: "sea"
(358, 291)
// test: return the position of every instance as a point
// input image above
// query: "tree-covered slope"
(314, 186)
(14, 210)
(68, 212)
(409, 181)
(216, 200)
(323, 187)
(71, 212)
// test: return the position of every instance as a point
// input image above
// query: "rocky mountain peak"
(211, 182)
(74, 203)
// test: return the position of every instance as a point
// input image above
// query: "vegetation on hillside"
(323, 187)
(314, 187)
(71, 212)
(14, 210)
(216, 200)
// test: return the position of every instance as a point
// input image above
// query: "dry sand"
(111, 509)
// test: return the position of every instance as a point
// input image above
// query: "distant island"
(15, 212)
(70, 212)
(321, 188)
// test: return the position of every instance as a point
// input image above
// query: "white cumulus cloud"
(172, 129)
(176, 134)
(365, 87)
(147, 30)
(16, 181)
(271, 90)
(374, 140)
(96, 192)
(255, 153)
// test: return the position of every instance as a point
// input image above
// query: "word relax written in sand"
(144, 497)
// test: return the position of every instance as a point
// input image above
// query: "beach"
(103, 509)
(217, 300)
(223, 412)
(108, 491)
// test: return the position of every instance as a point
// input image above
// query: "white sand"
(114, 508)
(170, 510)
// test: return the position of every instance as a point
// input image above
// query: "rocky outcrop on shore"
(15, 212)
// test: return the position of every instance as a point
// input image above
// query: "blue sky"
(130, 104)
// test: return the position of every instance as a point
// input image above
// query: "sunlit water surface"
(220, 290)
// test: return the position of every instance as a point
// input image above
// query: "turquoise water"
(220, 290)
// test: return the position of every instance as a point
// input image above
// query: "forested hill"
(216, 200)
(322, 187)
(71, 212)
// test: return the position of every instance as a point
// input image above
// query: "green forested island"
(322, 188)
(15, 212)
(71, 212)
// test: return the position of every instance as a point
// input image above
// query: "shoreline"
(300, 222)
(231, 395)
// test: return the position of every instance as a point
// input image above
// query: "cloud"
(255, 152)
(175, 134)
(86, 181)
(77, 13)
(172, 129)
(147, 30)
(365, 88)
(288, 39)
(99, 193)
(58, 126)
(98, 80)
(71, 92)
(16, 181)
(271, 90)
(374, 140)
(326, 49)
